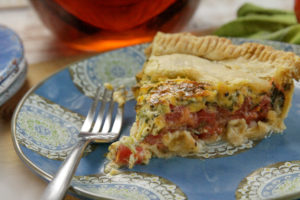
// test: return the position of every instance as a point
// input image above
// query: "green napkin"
(262, 23)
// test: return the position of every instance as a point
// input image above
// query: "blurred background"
(41, 44)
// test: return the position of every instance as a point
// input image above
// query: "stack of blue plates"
(13, 67)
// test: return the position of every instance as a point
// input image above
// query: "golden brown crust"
(218, 48)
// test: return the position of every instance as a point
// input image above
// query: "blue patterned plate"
(279, 180)
(48, 118)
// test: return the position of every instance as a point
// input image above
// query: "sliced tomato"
(256, 113)
(206, 116)
(124, 153)
(153, 139)
(156, 140)
(213, 123)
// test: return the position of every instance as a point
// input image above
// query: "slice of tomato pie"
(198, 90)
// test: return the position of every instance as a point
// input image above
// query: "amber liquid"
(99, 25)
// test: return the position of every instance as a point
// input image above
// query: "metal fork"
(103, 131)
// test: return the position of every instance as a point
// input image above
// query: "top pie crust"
(215, 59)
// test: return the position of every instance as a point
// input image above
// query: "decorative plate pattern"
(59, 103)
(117, 67)
(276, 180)
(47, 128)
(130, 186)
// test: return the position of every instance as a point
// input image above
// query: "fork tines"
(104, 120)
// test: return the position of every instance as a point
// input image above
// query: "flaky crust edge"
(219, 48)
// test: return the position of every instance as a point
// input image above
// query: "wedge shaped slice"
(198, 90)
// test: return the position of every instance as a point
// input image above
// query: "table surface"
(45, 55)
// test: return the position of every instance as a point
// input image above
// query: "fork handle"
(57, 188)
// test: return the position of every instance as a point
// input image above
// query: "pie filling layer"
(178, 116)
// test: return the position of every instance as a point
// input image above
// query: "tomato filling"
(124, 153)
(204, 124)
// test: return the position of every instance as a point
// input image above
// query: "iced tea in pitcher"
(99, 25)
